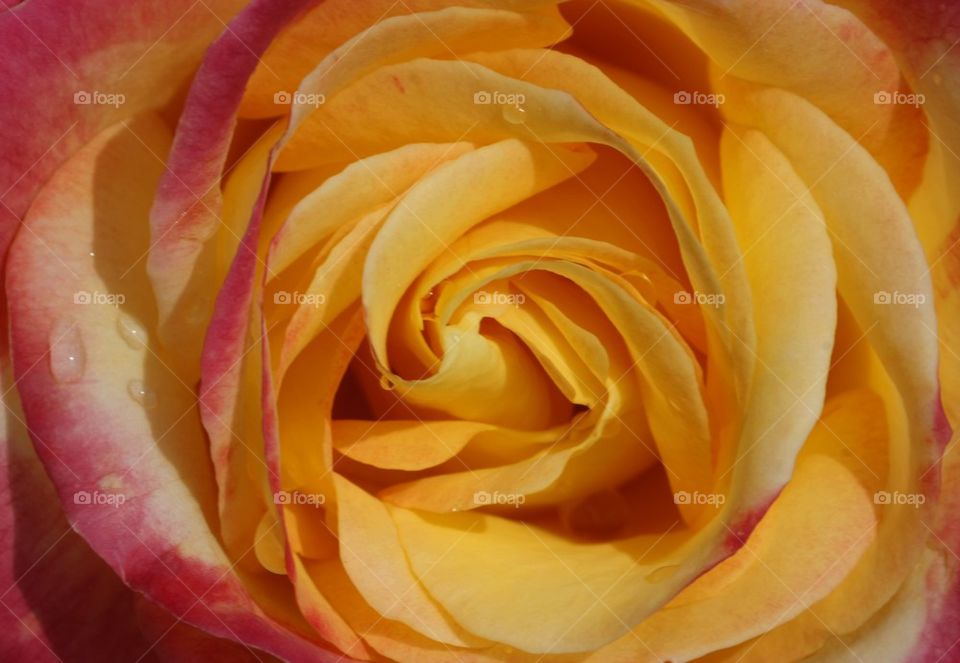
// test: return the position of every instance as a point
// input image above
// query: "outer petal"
(50, 50)
(924, 35)
(920, 623)
(869, 263)
(77, 376)
(49, 572)
(187, 210)
(769, 42)
(812, 536)
(178, 642)
(188, 203)
(331, 23)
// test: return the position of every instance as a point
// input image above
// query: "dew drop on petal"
(386, 382)
(514, 113)
(68, 357)
(662, 573)
(141, 394)
(132, 332)
(646, 288)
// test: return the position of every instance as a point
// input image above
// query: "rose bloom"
(481, 331)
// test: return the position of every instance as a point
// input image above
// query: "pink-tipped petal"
(140, 53)
(186, 211)
(178, 642)
(85, 395)
(49, 575)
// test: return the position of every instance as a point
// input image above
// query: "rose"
(804, 417)
(836, 585)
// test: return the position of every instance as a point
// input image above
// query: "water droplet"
(132, 332)
(644, 285)
(514, 113)
(141, 393)
(662, 573)
(68, 358)
(386, 382)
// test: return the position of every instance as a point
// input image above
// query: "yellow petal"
(403, 444)
(371, 32)
(805, 545)
(786, 243)
(374, 559)
(577, 596)
(769, 42)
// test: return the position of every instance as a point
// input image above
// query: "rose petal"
(918, 624)
(786, 243)
(364, 190)
(769, 43)
(410, 445)
(49, 52)
(923, 37)
(701, 224)
(577, 596)
(330, 25)
(177, 641)
(869, 264)
(554, 116)
(188, 202)
(373, 557)
(49, 572)
(806, 543)
(388, 637)
(602, 458)
(420, 230)
(405, 38)
(80, 383)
